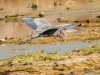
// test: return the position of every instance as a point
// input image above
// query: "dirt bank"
(77, 62)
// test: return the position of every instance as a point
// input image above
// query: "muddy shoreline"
(77, 62)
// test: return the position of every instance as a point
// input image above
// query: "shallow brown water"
(14, 29)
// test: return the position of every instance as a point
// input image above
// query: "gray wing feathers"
(64, 26)
(42, 24)
(30, 22)
(32, 37)
(37, 24)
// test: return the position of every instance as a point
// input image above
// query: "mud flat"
(77, 62)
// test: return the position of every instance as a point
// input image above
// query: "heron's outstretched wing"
(66, 26)
(38, 24)
(42, 24)
(30, 22)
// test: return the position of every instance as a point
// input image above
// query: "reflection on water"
(14, 29)
(7, 51)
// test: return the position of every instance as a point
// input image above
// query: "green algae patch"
(95, 48)
(37, 56)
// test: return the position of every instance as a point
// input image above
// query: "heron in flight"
(43, 27)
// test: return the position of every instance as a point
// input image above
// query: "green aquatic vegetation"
(32, 55)
(35, 56)
(53, 56)
(27, 56)
(94, 48)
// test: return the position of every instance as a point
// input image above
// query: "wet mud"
(77, 62)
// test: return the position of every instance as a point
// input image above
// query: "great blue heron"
(43, 27)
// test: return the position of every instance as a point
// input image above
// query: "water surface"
(10, 50)
(14, 29)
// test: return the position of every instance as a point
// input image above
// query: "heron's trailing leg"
(60, 33)
(32, 37)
